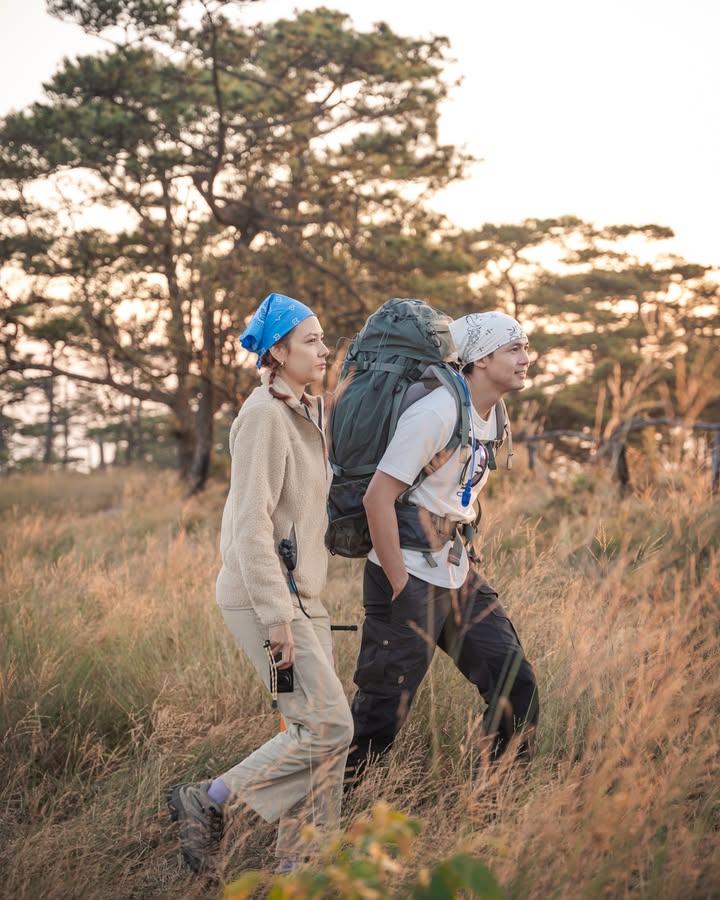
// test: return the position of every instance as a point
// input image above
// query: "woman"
(278, 486)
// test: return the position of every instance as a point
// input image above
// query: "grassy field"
(118, 678)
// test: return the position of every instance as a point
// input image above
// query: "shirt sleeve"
(259, 454)
(422, 431)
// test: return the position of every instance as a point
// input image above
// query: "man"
(418, 599)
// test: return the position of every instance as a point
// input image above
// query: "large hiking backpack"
(400, 355)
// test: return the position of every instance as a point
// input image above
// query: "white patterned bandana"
(479, 334)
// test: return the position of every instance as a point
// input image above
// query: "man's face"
(508, 366)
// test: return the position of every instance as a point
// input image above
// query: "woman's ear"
(278, 354)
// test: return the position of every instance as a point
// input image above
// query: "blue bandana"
(273, 319)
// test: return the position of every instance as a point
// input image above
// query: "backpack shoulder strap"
(455, 383)
(435, 376)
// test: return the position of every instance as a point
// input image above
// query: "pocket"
(386, 657)
(347, 532)
(477, 583)
(490, 614)
(404, 592)
(348, 536)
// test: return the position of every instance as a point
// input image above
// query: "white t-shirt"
(422, 431)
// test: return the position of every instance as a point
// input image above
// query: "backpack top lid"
(395, 346)
(408, 328)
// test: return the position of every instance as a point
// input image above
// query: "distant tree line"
(163, 187)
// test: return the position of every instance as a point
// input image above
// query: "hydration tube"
(467, 489)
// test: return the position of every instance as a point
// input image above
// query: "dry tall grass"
(118, 678)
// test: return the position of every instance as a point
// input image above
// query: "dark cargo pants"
(398, 643)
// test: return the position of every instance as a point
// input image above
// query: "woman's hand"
(281, 642)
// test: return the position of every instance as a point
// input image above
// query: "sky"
(608, 111)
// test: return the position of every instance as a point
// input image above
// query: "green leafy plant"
(372, 860)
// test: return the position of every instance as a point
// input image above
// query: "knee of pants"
(334, 733)
(378, 718)
(345, 729)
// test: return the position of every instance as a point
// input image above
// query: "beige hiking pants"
(297, 775)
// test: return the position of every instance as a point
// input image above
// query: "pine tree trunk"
(204, 434)
(179, 345)
(205, 418)
(49, 388)
(184, 433)
(66, 440)
(622, 470)
(4, 443)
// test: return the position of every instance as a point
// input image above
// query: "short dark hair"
(468, 367)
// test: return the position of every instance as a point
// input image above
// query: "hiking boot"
(200, 823)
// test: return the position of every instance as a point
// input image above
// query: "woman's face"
(303, 354)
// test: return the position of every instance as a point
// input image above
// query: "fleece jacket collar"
(316, 405)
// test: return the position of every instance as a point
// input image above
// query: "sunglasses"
(483, 457)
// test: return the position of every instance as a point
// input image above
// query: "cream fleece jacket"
(278, 478)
